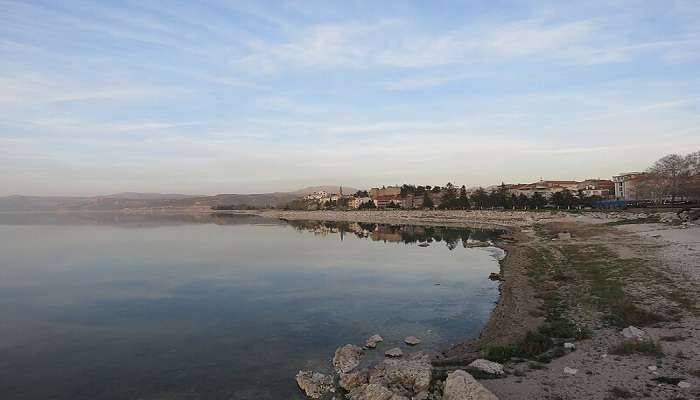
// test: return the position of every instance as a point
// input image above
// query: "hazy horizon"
(255, 97)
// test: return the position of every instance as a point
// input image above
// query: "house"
(384, 201)
(597, 187)
(627, 185)
(545, 188)
(356, 202)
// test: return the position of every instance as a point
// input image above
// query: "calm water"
(126, 307)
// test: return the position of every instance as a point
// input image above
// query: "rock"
(353, 379)
(564, 235)
(460, 385)
(570, 371)
(652, 368)
(398, 397)
(373, 340)
(407, 376)
(395, 352)
(423, 244)
(412, 340)
(569, 346)
(487, 366)
(495, 276)
(632, 332)
(684, 385)
(314, 384)
(346, 358)
(373, 391)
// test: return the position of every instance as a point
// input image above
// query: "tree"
(449, 197)
(563, 199)
(480, 198)
(427, 201)
(672, 173)
(537, 200)
(463, 200)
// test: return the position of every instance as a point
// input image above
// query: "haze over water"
(135, 307)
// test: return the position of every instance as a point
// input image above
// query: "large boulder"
(406, 376)
(346, 358)
(487, 367)
(462, 386)
(393, 352)
(314, 384)
(373, 391)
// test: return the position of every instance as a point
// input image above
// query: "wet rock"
(570, 371)
(495, 276)
(632, 332)
(395, 352)
(353, 379)
(346, 358)
(423, 244)
(407, 376)
(314, 384)
(487, 366)
(412, 340)
(373, 340)
(373, 391)
(460, 385)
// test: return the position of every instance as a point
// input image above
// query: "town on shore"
(672, 179)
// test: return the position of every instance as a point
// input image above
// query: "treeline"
(449, 197)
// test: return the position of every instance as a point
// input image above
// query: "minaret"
(341, 191)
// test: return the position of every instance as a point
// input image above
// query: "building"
(545, 188)
(321, 194)
(604, 188)
(356, 202)
(385, 191)
(627, 185)
(383, 201)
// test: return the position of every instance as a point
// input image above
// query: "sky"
(212, 97)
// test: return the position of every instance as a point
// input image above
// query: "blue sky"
(220, 97)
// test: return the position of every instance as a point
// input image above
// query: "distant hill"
(36, 203)
(133, 200)
(327, 188)
(121, 201)
(150, 196)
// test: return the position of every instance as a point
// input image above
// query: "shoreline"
(654, 269)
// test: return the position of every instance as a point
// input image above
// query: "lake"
(100, 306)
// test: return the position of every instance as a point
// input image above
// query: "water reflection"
(452, 237)
(99, 306)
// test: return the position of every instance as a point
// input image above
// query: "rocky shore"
(593, 306)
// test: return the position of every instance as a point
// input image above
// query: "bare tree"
(671, 173)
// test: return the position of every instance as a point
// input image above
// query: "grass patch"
(632, 346)
(623, 313)
(533, 345)
(668, 380)
(620, 393)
